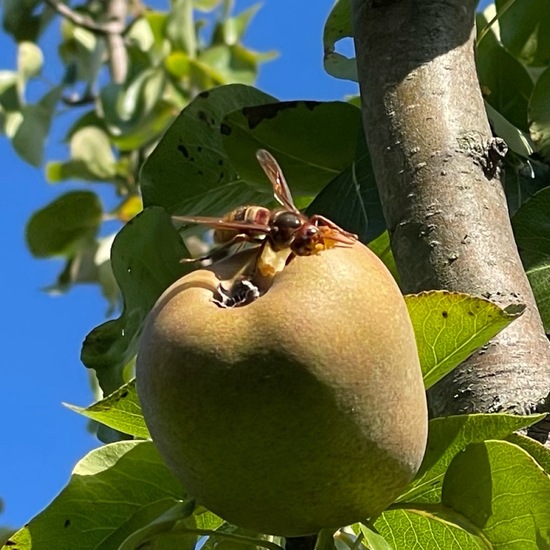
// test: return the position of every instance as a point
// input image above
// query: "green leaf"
(205, 5)
(381, 247)
(59, 227)
(449, 436)
(160, 525)
(538, 451)
(178, 64)
(29, 139)
(189, 171)
(180, 27)
(112, 485)
(539, 115)
(10, 99)
(337, 27)
(231, 30)
(522, 179)
(146, 129)
(21, 20)
(525, 30)
(125, 106)
(505, 82)
(502, 491)
(312, 141)
(433, 528)
(351, 199)
(374, 540)
(517, 141)
(29, 60)
(88, 261)
(120, 411)
(92, 158)
(531, 225)
(450, 326)
(145, 258)
(230, 63)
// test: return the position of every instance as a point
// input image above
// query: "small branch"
(114, 27)
(113, 30)
(117, 10)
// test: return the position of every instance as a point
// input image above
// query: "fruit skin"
(300, 411)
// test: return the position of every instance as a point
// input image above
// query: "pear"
(302, 410)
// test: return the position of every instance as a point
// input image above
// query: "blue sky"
(41, 335)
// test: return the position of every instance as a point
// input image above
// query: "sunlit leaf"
(449, 436)
(537, 450)
(180, 27)
(129, 208)
(231, 30)
(500, 489)
(110, 486)
(435, 528)
(178, 64)
(92, 158)
(120, 411)
(31, 134)
(141, 33)
(373, 540)
(450, 326)
(29, 60)
(205, 5)
(230, 63)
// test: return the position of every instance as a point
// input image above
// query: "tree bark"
(437, 168)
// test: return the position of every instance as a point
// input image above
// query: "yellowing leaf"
(129, 208)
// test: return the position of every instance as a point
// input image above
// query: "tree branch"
(111, 27)
(436, 165)
(117, 10)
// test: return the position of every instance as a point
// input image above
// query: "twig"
(109, 28)
(117, 10)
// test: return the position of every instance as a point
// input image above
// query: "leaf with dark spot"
(187, 187)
